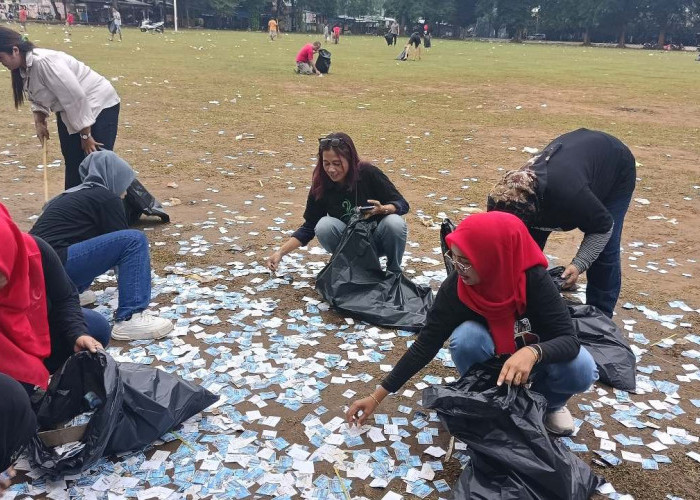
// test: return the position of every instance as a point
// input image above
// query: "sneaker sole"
(154, 336)
(564, 433)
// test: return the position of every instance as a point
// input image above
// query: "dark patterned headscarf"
(516, 193)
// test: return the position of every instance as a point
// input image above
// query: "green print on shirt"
(348, 209)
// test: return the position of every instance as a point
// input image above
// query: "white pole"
(175, 12)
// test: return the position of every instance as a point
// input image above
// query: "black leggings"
(17, 420)
(104, 130)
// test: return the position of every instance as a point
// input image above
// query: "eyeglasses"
(330, 141)
(461, 268)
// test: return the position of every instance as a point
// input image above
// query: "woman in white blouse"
(85, 103)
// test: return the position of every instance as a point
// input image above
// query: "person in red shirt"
(70, 19)
(305, 59)
(23, 18)
(336, 34)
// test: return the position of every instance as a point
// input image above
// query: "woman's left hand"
(517, 369)
(87, 343)
(378, 209)
(89, 145)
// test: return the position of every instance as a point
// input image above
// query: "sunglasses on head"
(330, 141)
(461, 268)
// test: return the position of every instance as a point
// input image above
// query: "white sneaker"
(87, 297)
(560, 422)
(142, 326)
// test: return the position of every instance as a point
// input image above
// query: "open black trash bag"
(607, 345)
(403, 55)
(512, 456)
(389, 38)
(137, 405)
(139, 202)
(354, 283)
(323, 61)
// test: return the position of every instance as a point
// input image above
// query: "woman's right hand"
(273, 261)
(42, 130)
(6, 479)
(365, 406)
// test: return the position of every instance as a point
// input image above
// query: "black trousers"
(394, 37)
(17, 420)
(104, 130)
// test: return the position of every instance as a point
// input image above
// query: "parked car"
(537, 36)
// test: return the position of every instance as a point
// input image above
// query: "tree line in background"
(584, 20)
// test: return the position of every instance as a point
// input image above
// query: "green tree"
(666, 13)
(579, 15)
(514, 15)
(622, 12)
(224, 7)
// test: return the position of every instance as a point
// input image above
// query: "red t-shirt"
(306, 54)
(336, 30)
(23, 15)
(70, 18)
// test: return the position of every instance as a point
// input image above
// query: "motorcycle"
(147, 25)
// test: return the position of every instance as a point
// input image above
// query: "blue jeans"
(389, 238)
(127, 250)
(97, 326)
(471, 343)
(605, 274)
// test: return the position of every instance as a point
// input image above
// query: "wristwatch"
(85, 137)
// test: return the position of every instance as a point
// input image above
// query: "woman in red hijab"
(41, 324)
(500, 301)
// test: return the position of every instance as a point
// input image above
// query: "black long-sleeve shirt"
(340, 202)
(546, 311)
(577, 173)
(66, 320)
(78, 216)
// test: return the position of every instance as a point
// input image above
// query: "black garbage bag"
(139, 202)
(555, 273)
(389, 38)
(134, 406)
(323, 61)
(607, 345)
(354, 283)
(446, 228)
(403, 55)
(154, 402)
(512, 456)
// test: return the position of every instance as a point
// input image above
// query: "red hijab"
(501, 249)
(24, 325)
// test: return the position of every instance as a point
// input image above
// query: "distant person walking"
(116, 24)
(70, 20)
(326, 33)
(336, 34)
(394, 31)
(85, 103)
(23, 18)
(272, 27)
(305, 59)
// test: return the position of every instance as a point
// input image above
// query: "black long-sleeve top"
(78, 216)
(338, 201)
(66, 320)
(577, 173)
(546, 311)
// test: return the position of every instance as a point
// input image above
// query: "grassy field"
(223, 115)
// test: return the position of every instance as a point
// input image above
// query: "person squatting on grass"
(85, 103)
(305, 59)
(500, 301)
(87, 227)
(583, 179)
(341, 183)
(41, 325)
